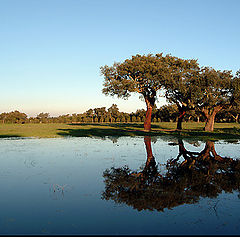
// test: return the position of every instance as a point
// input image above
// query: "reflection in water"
(200, 174)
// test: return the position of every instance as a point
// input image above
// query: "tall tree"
(143, 74)
(180, 89)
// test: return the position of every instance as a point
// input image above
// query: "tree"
(3, 117)
(180, 89)
(43, 117)
(90, 114)
(141, 74)
(13, 117)
(219, 90)
(100, 113)
(167, 113)
(140, 113)
(113, 112)
(234, 112)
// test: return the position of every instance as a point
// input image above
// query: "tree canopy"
(218, 90)
(181, 88)
(144, 74)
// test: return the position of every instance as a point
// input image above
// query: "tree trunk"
(147, 122)
(180, 119)
(209, 126)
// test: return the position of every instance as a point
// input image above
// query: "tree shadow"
(117, 125)
(225, 134)
(233, 130)
(101, 132)
(10, 136)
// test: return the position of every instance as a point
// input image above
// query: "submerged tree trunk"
(147, 122)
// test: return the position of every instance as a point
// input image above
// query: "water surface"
(119, 186)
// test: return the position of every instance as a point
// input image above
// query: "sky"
(51, 51)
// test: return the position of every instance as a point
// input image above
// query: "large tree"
(141, 74)
(180, 88)
(219, 90)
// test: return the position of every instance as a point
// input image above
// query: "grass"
(53, 130)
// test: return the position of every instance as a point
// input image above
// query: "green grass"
(190, 130)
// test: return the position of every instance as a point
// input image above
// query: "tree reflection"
(189, 176)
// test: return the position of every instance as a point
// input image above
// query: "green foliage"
(113, 112)
(142, 74)
(13, 117)
(216, 89)
(180, 87)
(167, 113)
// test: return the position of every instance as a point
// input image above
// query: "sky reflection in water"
(80, 186)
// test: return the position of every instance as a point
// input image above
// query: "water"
(124, 186)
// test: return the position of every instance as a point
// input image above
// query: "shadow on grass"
(118, 125)
(104, 132)
(218, 134)
(9, 136)
(229, 130)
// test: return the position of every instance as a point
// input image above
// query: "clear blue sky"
(51, 50)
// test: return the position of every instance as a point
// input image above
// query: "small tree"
(100, 113)
(113, 112)
(90, 114)
(167, 113)
(43, 117)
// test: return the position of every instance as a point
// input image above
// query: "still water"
(119, 186)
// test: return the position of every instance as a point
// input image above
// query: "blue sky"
(51, 50)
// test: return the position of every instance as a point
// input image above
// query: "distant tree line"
(166, 113)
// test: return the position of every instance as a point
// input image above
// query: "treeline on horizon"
(165, 113)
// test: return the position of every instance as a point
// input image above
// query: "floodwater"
(119, 186)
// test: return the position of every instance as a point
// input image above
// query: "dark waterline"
(60, 187)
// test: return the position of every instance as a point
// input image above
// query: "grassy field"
(190, 130)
